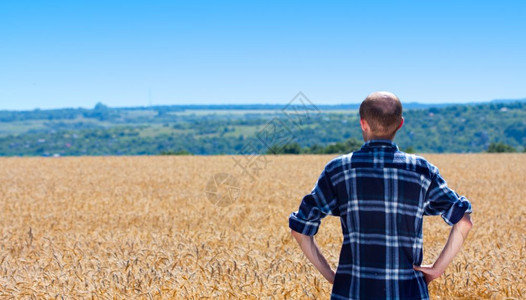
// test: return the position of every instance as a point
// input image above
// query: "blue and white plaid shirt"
(381, 195)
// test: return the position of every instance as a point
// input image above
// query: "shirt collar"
(379, 143)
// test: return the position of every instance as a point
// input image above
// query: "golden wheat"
(148, 227)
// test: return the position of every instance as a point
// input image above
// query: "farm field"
(157, 227)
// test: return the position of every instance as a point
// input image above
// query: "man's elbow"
(295, 233)
(298, 236)
(465, 223)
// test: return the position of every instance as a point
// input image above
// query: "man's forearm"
(310, 248)
(458, 234)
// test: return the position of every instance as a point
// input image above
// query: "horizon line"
(258, 104)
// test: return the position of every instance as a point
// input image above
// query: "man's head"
(380, 116)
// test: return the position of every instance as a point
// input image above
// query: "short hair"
(383, 113)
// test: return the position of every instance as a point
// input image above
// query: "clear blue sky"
(73, 53)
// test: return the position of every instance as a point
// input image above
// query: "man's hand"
(430, 273)
(310, 248)
(330, 279)
(458, 234)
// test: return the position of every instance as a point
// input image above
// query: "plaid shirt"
(380, 195)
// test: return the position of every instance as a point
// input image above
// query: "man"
(381, 195)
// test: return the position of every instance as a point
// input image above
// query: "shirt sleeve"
(441, 200)
(322, 201)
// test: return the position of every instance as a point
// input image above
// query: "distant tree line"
(494, 128)
(347, 146)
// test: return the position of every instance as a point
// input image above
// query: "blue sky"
(75, 54)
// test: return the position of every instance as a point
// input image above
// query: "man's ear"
(365, 126)
(401, 123)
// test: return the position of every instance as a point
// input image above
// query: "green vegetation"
(349, 145)
(173, 130)
(180, 152)
(501, 148)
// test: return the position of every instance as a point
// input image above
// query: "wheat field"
(160, 227)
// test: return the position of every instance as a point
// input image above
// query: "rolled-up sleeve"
(441, 200)
(322, 201)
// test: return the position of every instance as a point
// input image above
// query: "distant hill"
(232, 129)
